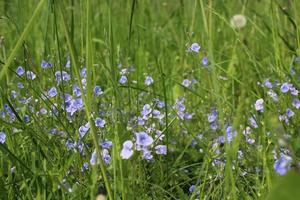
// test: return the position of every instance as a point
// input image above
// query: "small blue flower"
(31, 75)
(289, 113)
(97, 90)
(186, 82)
(20, 71)
(83, 73)
(105, 156)
(285, 87)
(195, 47)
(93, 160)
(252, 121)
(52, 92)
(140, 121)
(273, 95)
(62, 75)
(213, 116)
(127, 151)
(26, 119)
(146, 110)
(106, 144)
(43, 111)
(214, 125)
(99, 122)
(85, 167)
(83, 82)
(46, 64)
(148, 80)
(2, 137)
(230, 133)
(192, 188)
(76, 90)
(259, 105)
(70, 144)
(283, 165)
(14, 94)
(221, 139)
(68, 64)
(143, 139)
(80, 146)
(147, 154)
(296, 103)
(294, 91)
(20, 85)
(268, 84)
(161, 149)
(84, 129)
(205, 61)
(123, 80)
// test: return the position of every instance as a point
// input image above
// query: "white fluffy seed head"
(238, 21)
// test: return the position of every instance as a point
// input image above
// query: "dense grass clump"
(146, 99)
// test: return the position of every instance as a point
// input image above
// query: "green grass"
(153, 36)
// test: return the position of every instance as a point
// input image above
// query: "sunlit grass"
(204, 93)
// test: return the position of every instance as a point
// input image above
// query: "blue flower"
(52, 92)
(294, 91)
(268, 84)
(289, 113)
(205, 61)
(273, 95)
(148, 80)
(84, 167)
(106, 144)
(127, 151)
(76, 90)
(62, 75)
(147, 154)
(20, 71)
(143, 139)
(123, 80)
(161, 149)
(70, 144)
(192, 188)
(221, 139)
(20, 85)
(99, 122)
(146, 110)
(31, 75)
(230, 134)
(252, 121)
(296, 103)
(105, 156)
(26, 119)
(78, 103)
(283, 165)
(84, 129)
(213, 116)
(214, 125)
(97, 90)
(140, 121)
(43, 111)
(83, 73)
(259, 105)
(285, 87)
(46, 64)
(186, 82)
(195, 47)
(93, 160)
(14, 94)
(80, 146)
(68, 64)
(2, 137)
